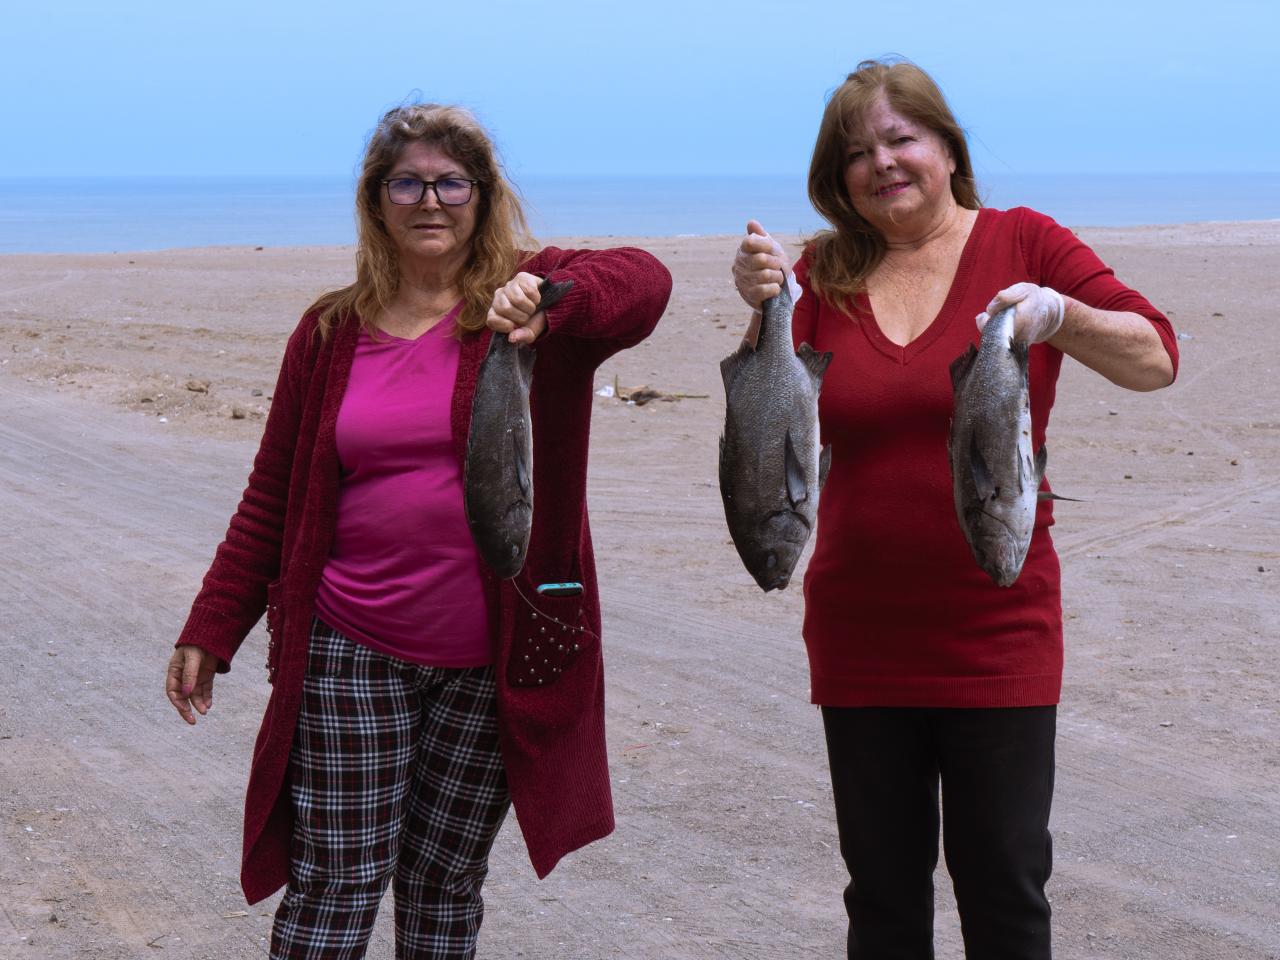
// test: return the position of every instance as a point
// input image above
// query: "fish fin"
(979, 470)
(730, 364)
(494, 340)
(522, 463)
(797, 489)
(525, 359)
(1042, 460)
(961, 366)
(814, 362)
(1050, 495)
(1022, 354)
(552, 292)
(824, 466)
(726, 475)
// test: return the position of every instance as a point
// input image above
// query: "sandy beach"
(134, 386)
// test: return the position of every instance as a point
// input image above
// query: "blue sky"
(234, 87)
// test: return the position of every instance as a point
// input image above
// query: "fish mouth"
(777, 583)
(1003, 562)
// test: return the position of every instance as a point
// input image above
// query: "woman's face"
(897, 172)
(429, 233)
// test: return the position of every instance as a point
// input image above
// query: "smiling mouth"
(892, 188)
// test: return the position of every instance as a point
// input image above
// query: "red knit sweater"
(553, 745)
(897, 613)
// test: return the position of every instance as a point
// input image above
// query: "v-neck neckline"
(905, 353)
(435, 328)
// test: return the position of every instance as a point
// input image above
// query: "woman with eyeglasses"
(938, 688)
(408, 708)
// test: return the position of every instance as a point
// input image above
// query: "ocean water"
(85, 214)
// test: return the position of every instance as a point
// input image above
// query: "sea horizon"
(136, 213)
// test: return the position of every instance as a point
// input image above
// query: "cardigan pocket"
(275, 630)
(550, 634)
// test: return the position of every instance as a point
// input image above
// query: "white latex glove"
(760, 266)
(1038, 311)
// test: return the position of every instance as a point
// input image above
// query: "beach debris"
(498, 476)
(639, 396)
(198, 386)
(238, 412)
(771, 465)
(1185, 336)
(994, 476)
(606, 391)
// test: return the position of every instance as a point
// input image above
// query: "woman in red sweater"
(928, 674)
(408, 709)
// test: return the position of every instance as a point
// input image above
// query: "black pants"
(995, 767)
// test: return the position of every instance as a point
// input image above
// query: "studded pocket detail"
(551, 633)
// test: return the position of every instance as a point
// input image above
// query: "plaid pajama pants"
(395, 775)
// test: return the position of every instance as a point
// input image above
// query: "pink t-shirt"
(404, 576)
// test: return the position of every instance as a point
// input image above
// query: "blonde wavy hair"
(841, 258)
(500, 242)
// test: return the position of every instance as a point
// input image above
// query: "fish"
(772, 466)
(497, 477)
(995, 476)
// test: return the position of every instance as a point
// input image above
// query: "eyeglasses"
(451, 191)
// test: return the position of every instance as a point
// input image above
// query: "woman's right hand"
(188, 681)
(760, 266)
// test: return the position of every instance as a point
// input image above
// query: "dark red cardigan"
(553, 743)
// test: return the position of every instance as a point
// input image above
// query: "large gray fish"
(771, 466)
(498, 476)
(994, 475)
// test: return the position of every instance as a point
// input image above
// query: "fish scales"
(498, 474)
(772, 467)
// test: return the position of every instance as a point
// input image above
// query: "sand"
(134, 387)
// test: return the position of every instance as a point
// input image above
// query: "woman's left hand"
(515, 312)
(1038, 313)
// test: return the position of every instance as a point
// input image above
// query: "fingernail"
(186, 689)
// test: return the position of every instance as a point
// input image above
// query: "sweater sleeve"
(233, 595)
(618, 295)
(1061, 260)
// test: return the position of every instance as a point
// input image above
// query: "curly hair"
(500, 242)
